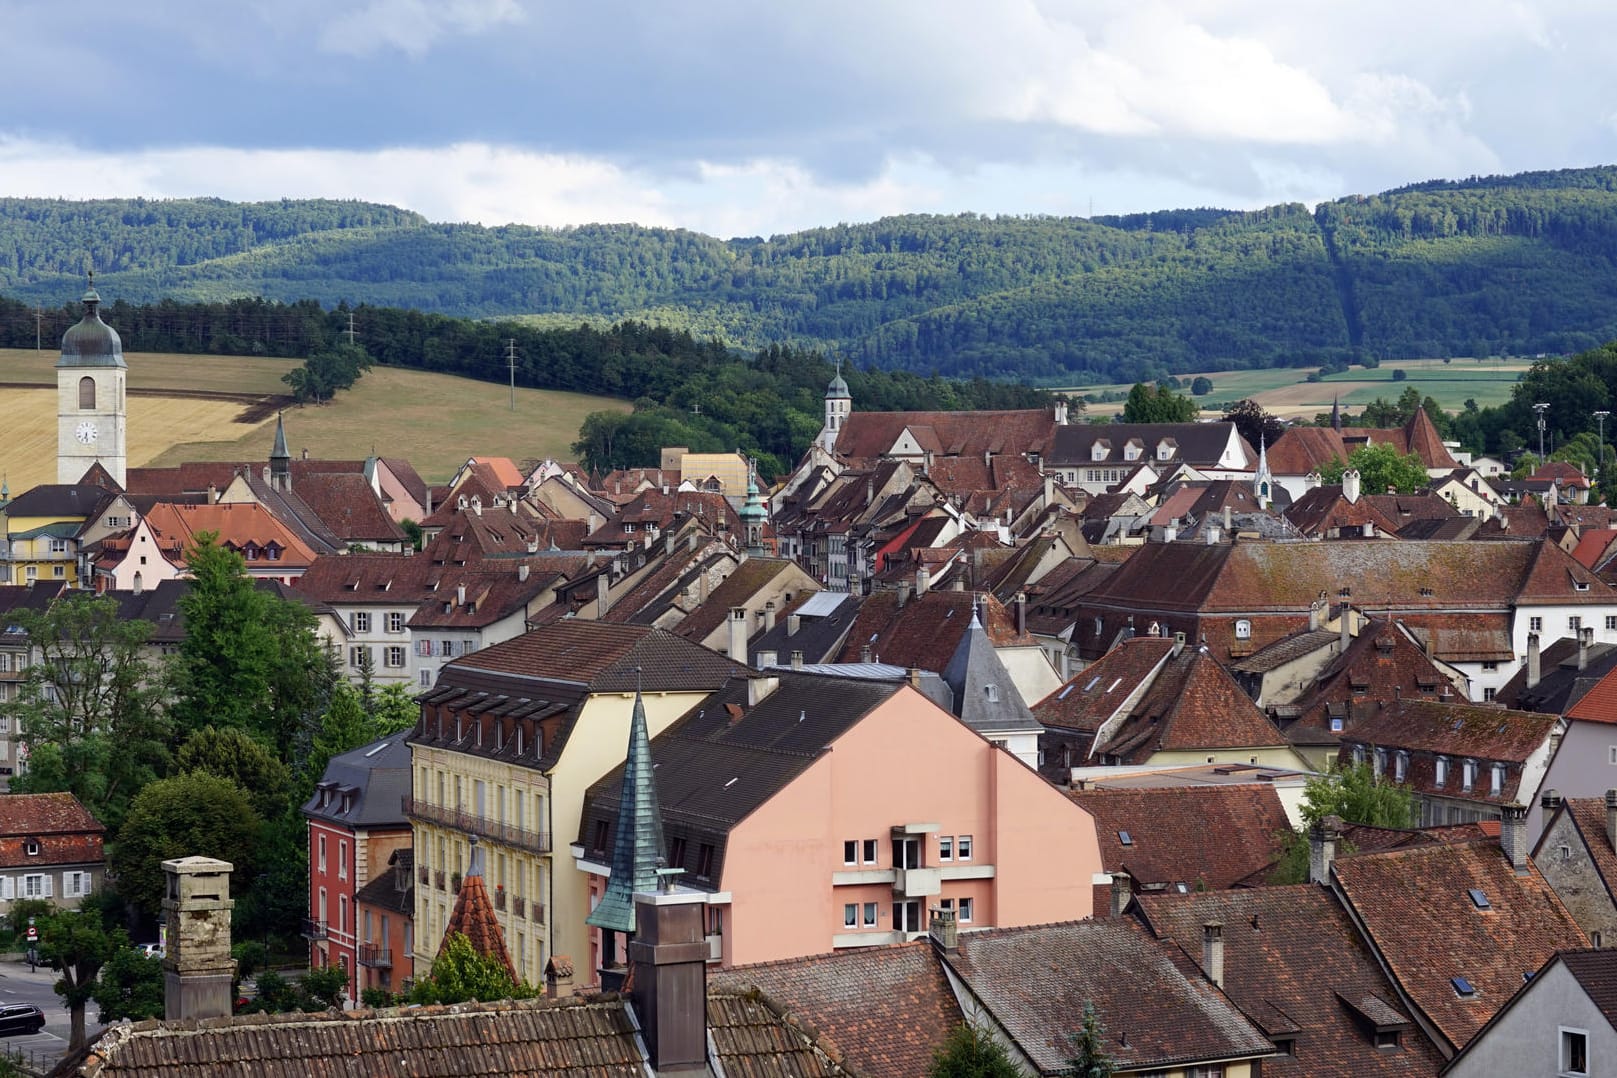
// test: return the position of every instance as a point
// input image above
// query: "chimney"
(1170, 534)
(592, 522)
(958, 583)
(903, 593)
(759, 688)
(559, 977)
(738, 634)
(1532, 660)
(1513, 835)
(1346, 626)
(668, 963)
(1322, 848)
(1049, 489)
(1122, 892)
(213, 494)
(198, 969)
(1585, 638)
(944, 930)
(797, 660)
(1314, 612)
(1350, 486)
(460, 594)
(766, 659)
(1212, 535)
(1061, 413)
(864, 654)
(1227, 525)
(522, 571)
(1213, 951)
(603, 588)
(1611, 818)
(769, 616)
(923, 580)
(1369, 529)
(1178, 643)
(1551, 800)
(914, 676)
(793, 623)
(1020, 605)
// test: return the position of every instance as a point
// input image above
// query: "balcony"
(519, 906)
(537, 913)
(438, 879)
(499, 899)
(472, 824)
(313, 929)
(426, 876)
(917, 882)
(375, 955)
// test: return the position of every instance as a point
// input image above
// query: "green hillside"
(1515, 265)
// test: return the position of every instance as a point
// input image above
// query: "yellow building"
(44, 528)
(507, 744)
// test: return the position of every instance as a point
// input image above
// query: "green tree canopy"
(327, 371)
(250, 659)
(1357, 796)
(1089, 1057)
(1381, 468)
(1157, 404)
(77, 943)
(130, 986)
(1254, 424)
(194, 814)
(461, 973)
(234, 754)
(972, 1052)
(91, 709)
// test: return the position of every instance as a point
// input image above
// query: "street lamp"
(1600, 452)
(1539, 410)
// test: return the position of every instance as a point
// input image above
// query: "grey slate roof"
(819, 636)
(74, 501)
(985, 698)
(378, 777)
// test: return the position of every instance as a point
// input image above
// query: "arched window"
(1243, 629)
(86, 393)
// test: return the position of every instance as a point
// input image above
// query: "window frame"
(1564, 1040)
(963, 849)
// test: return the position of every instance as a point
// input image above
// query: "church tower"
(91, 396)
(838, 403)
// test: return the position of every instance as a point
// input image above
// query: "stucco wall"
(907, 762)
(1526, 1039)
(1581, 767)
(1563, 859)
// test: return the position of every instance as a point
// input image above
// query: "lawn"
(435, 421)
(1286, 391)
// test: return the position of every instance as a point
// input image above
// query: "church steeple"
(753, 514)
(1263, 479)
(637, 848)
(1336, 414)
(90, 396)
(838, 403)
(280, 458)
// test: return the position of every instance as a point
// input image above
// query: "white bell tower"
(91, 397)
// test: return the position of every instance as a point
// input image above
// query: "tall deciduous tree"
(1253, 423)
(187, 815)
(1381, 468)
(90, 709)
(77, 943)
(130, 986)
(234, 754)
(250, 659)
(1157, 404)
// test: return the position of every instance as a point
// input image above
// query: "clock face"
(85, 432)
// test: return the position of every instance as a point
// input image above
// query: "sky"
(758, 117)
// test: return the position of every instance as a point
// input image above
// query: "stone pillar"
(197, 969)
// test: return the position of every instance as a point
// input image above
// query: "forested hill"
(1518, 264)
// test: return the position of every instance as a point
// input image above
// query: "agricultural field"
(1286, 392)
(223, 408)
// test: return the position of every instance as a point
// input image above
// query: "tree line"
(1512, 265)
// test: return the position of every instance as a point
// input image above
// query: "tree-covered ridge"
(1520, 264)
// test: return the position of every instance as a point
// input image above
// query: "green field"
(433, 420)
(1286, 391)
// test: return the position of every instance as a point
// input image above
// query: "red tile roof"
(66, 832)
(926, 630)
(473, 917)
(866, 435)
(1093, 696)
(1415, 907)
(1599, 704)
(888, 1008)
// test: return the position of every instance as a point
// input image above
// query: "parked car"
(18, 1018)
(150, 950)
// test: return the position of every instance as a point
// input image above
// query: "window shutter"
(8, 888)
(50, 886)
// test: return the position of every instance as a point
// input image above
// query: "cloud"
(413, 26)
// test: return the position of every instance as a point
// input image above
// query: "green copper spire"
(637, 849)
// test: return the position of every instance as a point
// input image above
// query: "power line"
(511, 359)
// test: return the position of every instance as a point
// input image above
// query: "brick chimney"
(198, 969)
(944, 930)
(668, 956)
(1213, 951)
(1122, 891)
(1322, 838)
(1532, 660)
(1513, 836)
(738, 634)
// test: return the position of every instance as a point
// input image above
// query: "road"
(18, 984)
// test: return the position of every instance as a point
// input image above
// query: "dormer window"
(1440, 775)
(31, 847)
(1100, 450)
(1243, 629)
(1166, 449)
(992, 692)
(1400, 766)
(1496, 784)
(1468, 775)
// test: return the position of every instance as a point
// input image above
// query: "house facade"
(50, 848)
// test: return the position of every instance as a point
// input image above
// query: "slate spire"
(1336, 414)
(637, 848)
(984, 696)
(280, 458)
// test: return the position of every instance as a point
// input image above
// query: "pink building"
(821, 812)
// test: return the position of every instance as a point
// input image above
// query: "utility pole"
(1600, 451)
(349, 332)
(39, 319)
(511, 359)
(1539, 410)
